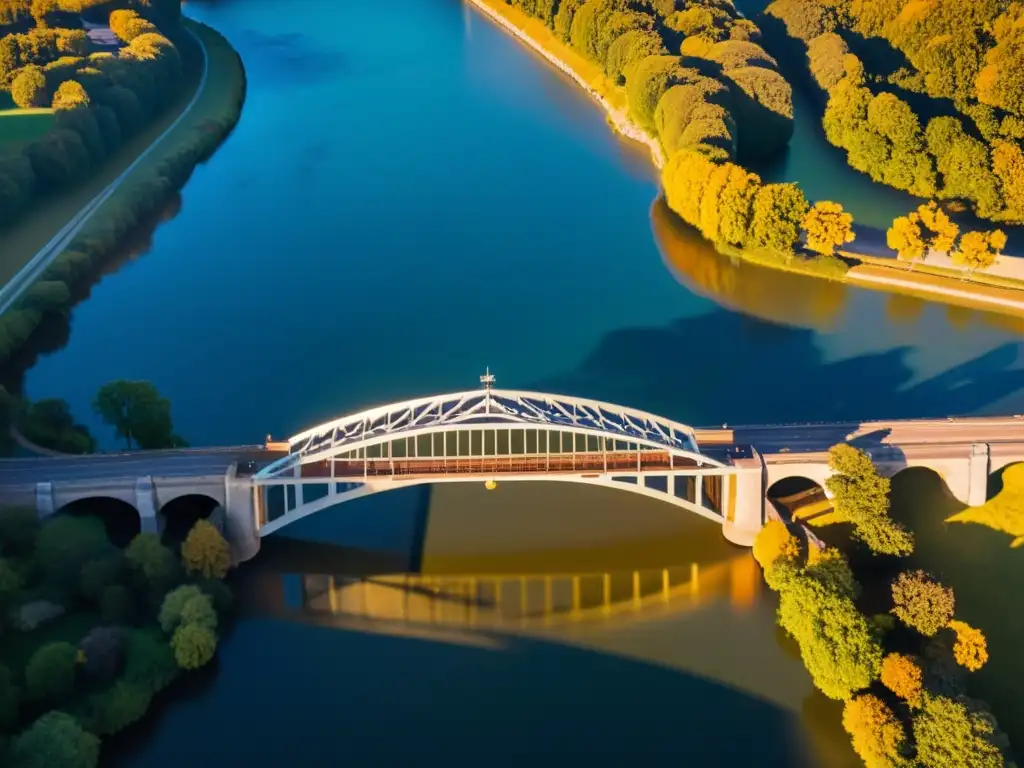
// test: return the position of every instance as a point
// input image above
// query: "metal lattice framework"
(482, 408)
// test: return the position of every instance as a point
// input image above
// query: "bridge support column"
(743, 510)
(977, 478)
(242, 521)
(147, 505)
(45, 505)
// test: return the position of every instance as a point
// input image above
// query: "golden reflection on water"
(769, 294)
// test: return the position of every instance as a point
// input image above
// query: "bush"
(70, 95)
(19, 527)
(219, 593)
(50, 674)
(149, 660)
(103, 652)
(154, 565)
(194, 646)
(117, 708)
(101, 573)
(128, 25)
(878, 737)
(66, 543)
(922, 602)
(199, 611)
(774, 541)
(174, 603)
(205, 551)
(55, 739)
(10, 585)
(10, 700)
(948, 735)
(28, 89)
(117, 604)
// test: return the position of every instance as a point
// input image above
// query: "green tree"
(10, 585)
(647, 80)
(774, 541)
(861, 497)
(629, 48)
(137, 412)
(154, 564)
(948, 735)
(70, 95)
(119, 706)
(206, 552)
(194, 646)
(922, 602)
(117, 605)
(28, 89)
(19, 527)
(55, 739)
(200, 611)
(828, 227)
(50, 673)
(149, 660)
(100, 573)
(174, 603)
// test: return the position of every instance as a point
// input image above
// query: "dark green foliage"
(10, 700)
(149, 660)
(219, 593)
(101, 573)
(117, 605)
(118, 707)
(67, 543)
(137, 413)
(49, 423)
(59, 159)
(19, 527)
(50, 673)
(55, 739)
(153, 565)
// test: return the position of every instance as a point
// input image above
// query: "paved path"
(32, 271)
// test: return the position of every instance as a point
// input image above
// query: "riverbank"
(85, 241)
(1005, 299)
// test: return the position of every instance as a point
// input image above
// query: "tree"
(205, 551)
(120, 706)
(55, 739)
(830, 568)
(102, 653)
(153, 563)
(10, 584)
(906, 238)
(200, 612)
(878, 736)
(631, 47)
(174, 603)
(979, 250)
(100, 573)
(647, 80)
(942, 229)
(861, 497)
(828, 227)
(66, 543)
(922, 602)
(902, 675)
(774, 541)
(149, 660)
(117, 605)
(50, 673)
(19, 527)
(948, 735)
(971, 648)
(28, 89)
(779, 210)
(70, 95)
(194, 646)
(137, 412)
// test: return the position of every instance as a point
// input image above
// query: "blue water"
(410, 197)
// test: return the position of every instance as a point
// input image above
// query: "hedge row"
(139, 196)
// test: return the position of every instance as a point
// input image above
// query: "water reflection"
(768, 294)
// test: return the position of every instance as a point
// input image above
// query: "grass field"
(20, 126)
(20, 242)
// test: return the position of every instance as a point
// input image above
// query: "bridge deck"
(559, 463)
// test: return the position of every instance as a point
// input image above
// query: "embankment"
(1006, 299)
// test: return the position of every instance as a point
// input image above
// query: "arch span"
(121, 519)
(182, 512)
(796, 497)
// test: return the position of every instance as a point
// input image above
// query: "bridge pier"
(147, 505)
(977, 474)
(242, 504)
(744, 511)
(45, 506)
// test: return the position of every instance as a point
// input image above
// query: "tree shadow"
(54, 332)
(683, 371)
(508, 697)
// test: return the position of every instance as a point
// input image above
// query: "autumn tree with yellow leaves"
(828, 227)
(877, 734)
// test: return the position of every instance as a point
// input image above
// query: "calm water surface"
(401, 205)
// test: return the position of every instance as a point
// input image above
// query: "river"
(409, 197)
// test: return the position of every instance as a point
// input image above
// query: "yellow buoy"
(490, 485)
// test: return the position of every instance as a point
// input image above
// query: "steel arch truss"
(478, 409)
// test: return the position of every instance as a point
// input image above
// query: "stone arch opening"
(922, 482)
(120, 518)
(799, 498)
(181, 513)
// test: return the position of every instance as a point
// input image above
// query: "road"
(185, 463)
(922, 438)
(35, 268)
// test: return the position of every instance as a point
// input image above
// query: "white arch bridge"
(492, 436)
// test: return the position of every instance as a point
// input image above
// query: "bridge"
(492, 436)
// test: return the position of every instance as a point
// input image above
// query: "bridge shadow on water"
(723, 367)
